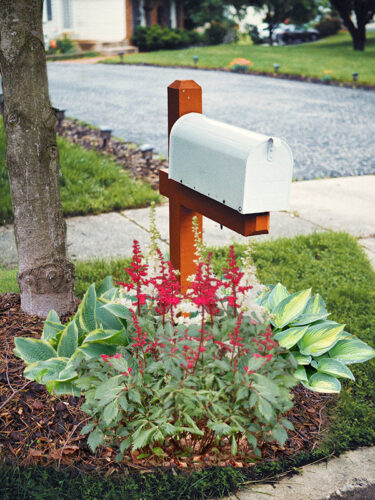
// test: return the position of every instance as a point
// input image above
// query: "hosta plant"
(52, 359)
(322, 348)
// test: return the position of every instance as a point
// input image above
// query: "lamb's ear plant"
(322, 348)
(94, 330)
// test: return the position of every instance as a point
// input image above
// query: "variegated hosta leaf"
(68, 341)
(315, 310)
(320, 382)
(60, 388)
(288, 338)
(301, 374)
(108, 336)
(290, 308)
(278, 293)
(94, 350)
(44, 371)
(335, 368)
(301, 359)
(33, 350)
(52, 327)
(107, 284)
(107, 319)
(320, 338)
(110, 295)
(87, 310)
(263, 296)
(350, 351)
(119, 310)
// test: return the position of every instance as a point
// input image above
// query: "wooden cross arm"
(245, 224)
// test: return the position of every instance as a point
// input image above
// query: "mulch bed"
(126, 154)
(38, 428)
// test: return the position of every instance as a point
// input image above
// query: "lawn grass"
(335, 266)
(91, 183)
(334, 54)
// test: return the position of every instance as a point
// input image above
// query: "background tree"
(355, 15)
(46, 276)
(277, 11)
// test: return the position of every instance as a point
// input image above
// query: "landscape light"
(121, 55)
(105, 134)
(60, 115)
(147, 152)
(355, 76)
(276, 67)
(195, 59)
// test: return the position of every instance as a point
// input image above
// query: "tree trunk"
(46, 276)
(359, 38)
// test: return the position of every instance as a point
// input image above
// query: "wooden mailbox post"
(185, 96)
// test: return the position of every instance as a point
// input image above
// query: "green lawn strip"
(334, 265)
(91, 183)
(334, 54)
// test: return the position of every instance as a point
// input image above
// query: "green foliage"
(335, 266)
(93, 330)
(309, 59)
(328, 26)
(91, 183)
(157, 38)
(215, 33)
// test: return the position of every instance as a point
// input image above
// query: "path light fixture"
(147, 152)
(1, 104)
(276, 67)
(121, 56)
(105, 134)
(195, 59)
(355, 76)
(60, 115)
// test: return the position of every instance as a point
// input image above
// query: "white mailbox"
(244, 170)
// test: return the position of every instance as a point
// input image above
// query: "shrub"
(62, 45)
(158, 38)
(215, 33)
(328, 26)
(254, 34)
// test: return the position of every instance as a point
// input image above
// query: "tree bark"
(46, 276)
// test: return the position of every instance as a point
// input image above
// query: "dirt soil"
(38, 428)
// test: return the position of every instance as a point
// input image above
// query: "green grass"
(334, 265)
(334, 54)
(91, 183)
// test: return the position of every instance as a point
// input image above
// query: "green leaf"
(220, 428)
(107, 284)
(278, 293)
(61, 388)
(107, 319)
(352, 351)
(95, 439)
(108, 390)
(87, 428)
(320, 382)
(287, 424)
(265, 387)
(280, 434)
(68, 341)
(110, 412)
(251, 439)
(288, 338)
(191, 422)
(118, 310)
(265, 409)
(290, 308)
(142, 438)
(100, 335)
(242, 393)
(300, 374)
(234, 448)
(52, 326)
(68, 373)
(125, 444)
(334, 367)
(94, 350)
(301, 359)
(33, 350)
(158, 452)
(45, 371)
(87, 310)
(315, 310)
(320, 338)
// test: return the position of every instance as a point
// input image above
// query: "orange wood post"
(184, 96)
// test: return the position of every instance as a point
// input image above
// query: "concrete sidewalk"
(342, 204)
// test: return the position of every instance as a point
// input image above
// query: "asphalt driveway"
(330, 129)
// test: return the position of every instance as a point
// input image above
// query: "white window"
(67, 14)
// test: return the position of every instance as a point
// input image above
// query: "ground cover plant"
(90, 183)
(336, 268)
(333, 57)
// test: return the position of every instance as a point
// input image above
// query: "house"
(98, 23)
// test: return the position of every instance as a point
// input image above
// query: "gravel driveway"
(330, 129)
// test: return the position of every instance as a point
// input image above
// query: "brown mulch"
(36, 427)
(125, 154)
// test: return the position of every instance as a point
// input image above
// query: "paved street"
(330, 129)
